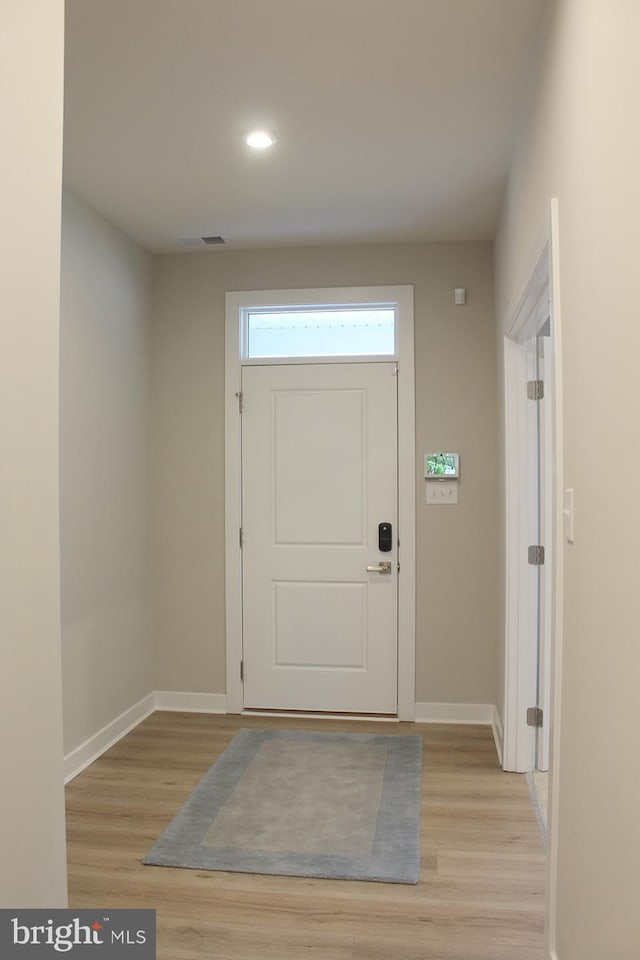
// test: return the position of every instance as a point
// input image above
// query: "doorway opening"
(320, 501)
(534, 519)
(535, 525)
(530, 502)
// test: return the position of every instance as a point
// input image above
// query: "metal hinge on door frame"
(535, 389)
(241, 671)
(535, 555)
(534, 716)
(240, 401)
(241, 537)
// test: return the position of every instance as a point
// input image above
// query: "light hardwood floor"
(481, 889)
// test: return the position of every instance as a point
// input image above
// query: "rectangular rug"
(335, 805)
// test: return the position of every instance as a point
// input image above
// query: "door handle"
(383, 567)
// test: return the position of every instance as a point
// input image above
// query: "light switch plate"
(442, 491)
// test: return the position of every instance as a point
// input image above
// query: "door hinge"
(398, 566)
(536, 555)
(241, 537)
(534, 716)
(240, 397)
(535, 389)
(241, 670)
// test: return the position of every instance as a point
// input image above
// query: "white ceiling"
(395, 118)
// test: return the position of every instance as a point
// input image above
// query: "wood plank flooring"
(481, 889)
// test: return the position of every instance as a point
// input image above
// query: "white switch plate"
(442, 491)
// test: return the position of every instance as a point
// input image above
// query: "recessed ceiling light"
(260, 139)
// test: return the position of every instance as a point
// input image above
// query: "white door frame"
(538, 301)
(237, 303)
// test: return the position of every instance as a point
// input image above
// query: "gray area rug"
(337, 805)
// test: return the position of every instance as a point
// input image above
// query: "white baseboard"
(191, 702)
(475, 713)
(498, 736)
(183, 702)
(95, 746)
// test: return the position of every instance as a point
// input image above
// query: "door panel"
(319, 466)
(320, 493)
(320, 625)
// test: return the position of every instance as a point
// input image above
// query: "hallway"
(481, 889)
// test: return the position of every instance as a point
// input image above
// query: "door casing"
(237, 302)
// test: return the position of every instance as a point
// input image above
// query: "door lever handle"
(383, 567)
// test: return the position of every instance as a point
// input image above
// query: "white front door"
(319, 475)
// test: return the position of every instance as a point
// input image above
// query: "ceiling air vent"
(201, 241)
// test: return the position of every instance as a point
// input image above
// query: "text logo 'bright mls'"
(39, 933)
(62, 938)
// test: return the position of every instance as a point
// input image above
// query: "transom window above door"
(323, 330)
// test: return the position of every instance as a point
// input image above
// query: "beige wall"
(456, 409)
(581, 142)
(32, 858)
(107, 646)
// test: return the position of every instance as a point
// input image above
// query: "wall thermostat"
(441, 466)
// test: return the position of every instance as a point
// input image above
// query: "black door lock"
(385, 537)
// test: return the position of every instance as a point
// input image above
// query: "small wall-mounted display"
(441, 466)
